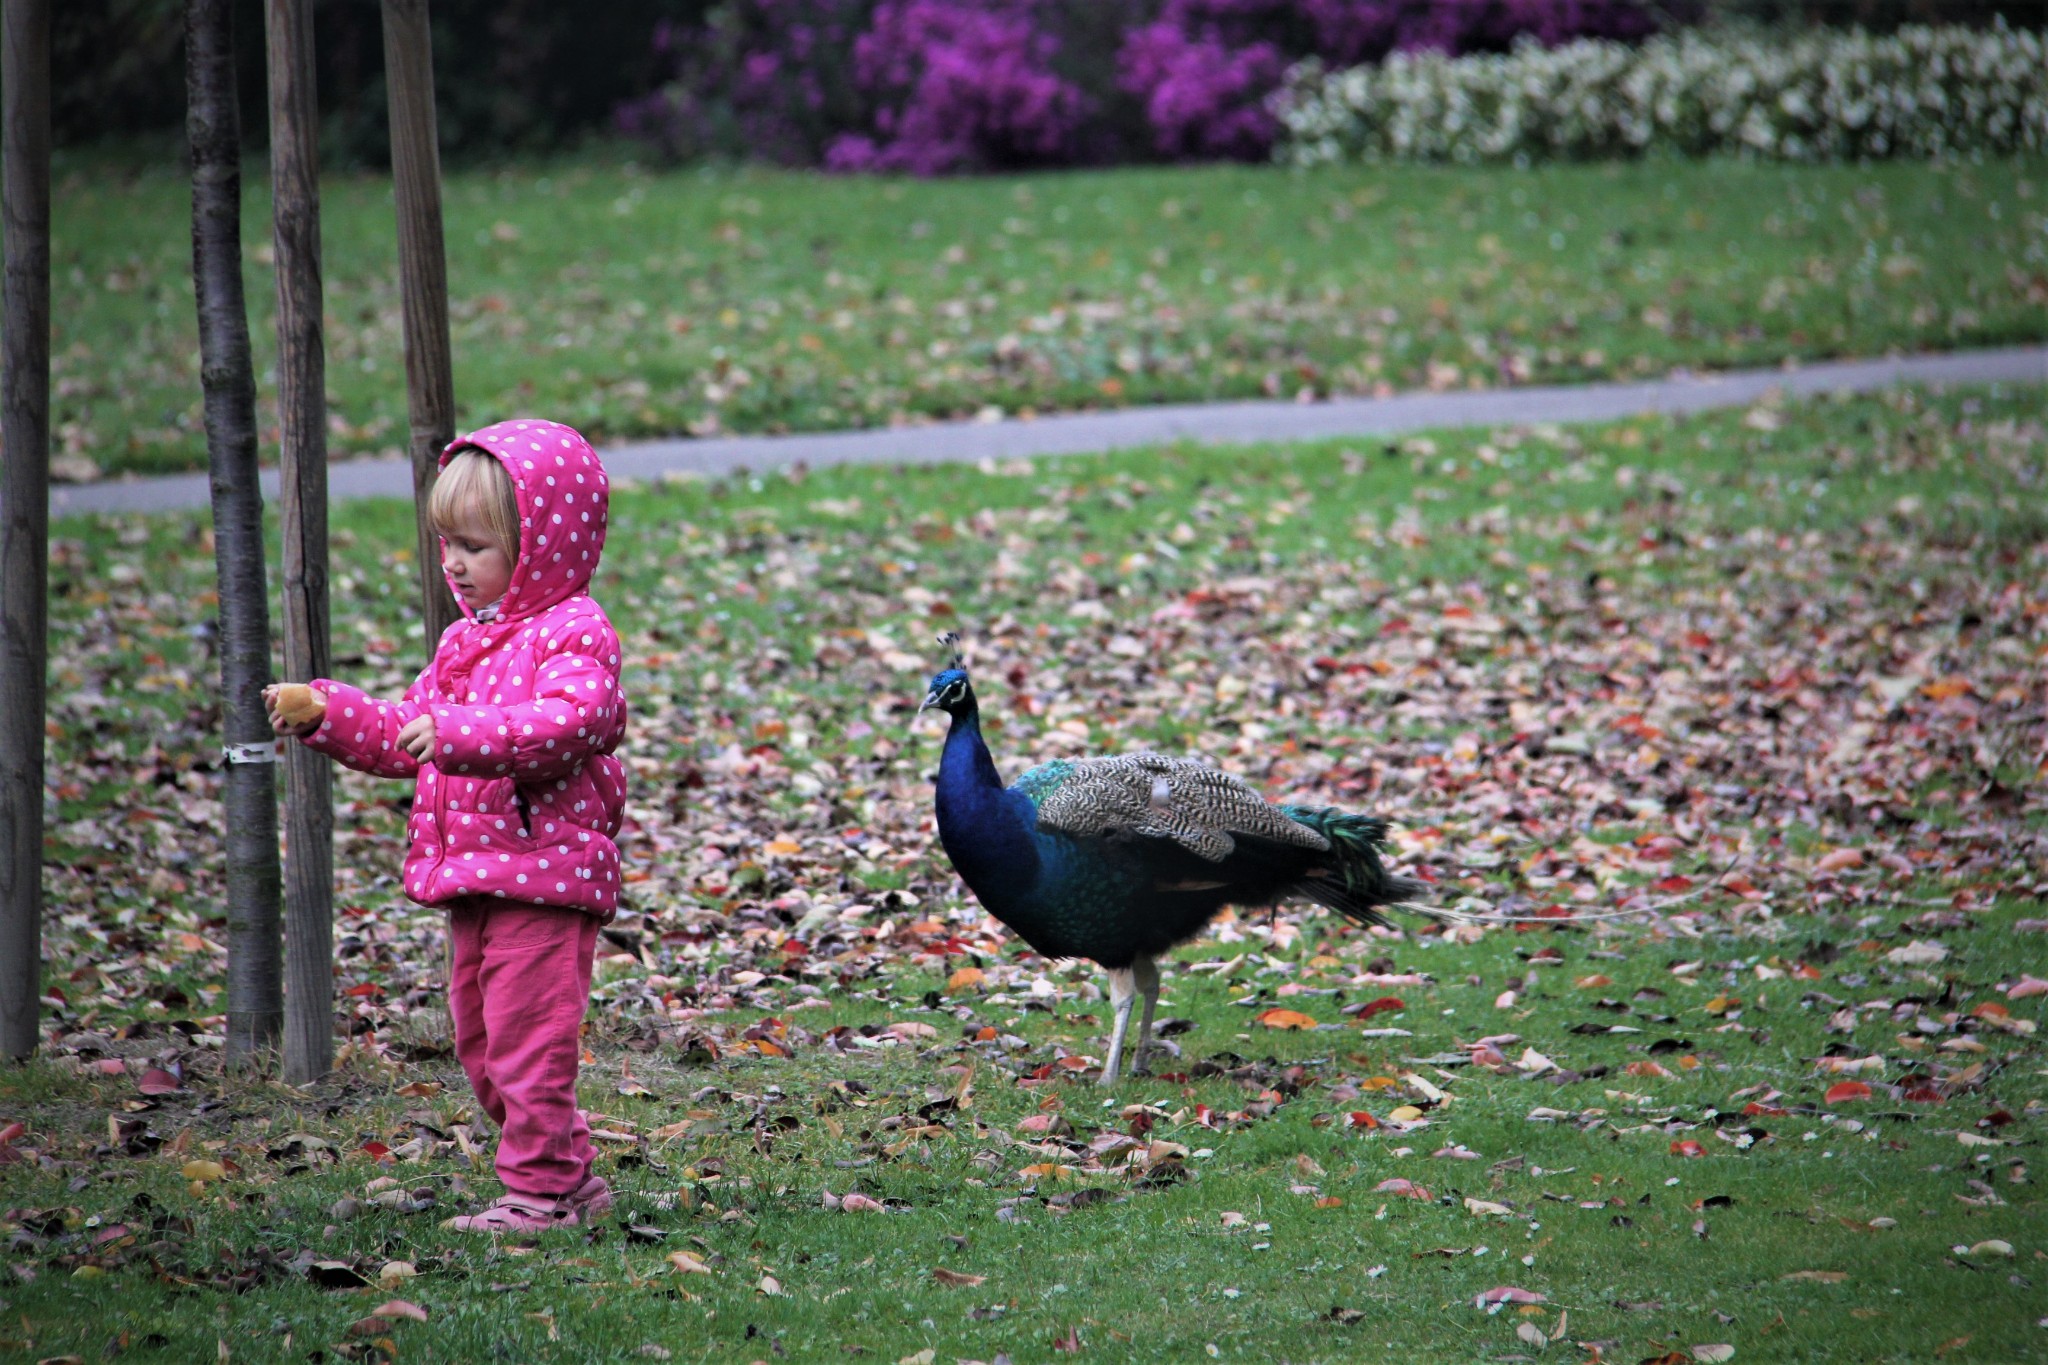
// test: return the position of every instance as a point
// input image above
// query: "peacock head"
(950, 692)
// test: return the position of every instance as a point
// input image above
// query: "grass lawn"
(631, 303)
(1754, 698)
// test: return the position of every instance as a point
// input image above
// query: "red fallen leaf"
(1379, 1006)
(13, 1131)
(1844, 1091)
(157, 1081)
(1687, 1148)
(370, 1327)
(1991, 1009)
(399, 1308)
(364, 989)
(1922, 1094)
(1358, 1118)
(1754, 1110)
(111, 1066)
(1506, 1293)
(1672, 883)
(1403, 1187)
(1839, 860)
(376, 1149)
(1070, 1343)
(1657, 848)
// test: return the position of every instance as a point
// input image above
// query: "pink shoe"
(531, 1213)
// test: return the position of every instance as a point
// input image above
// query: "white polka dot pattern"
(524, 796)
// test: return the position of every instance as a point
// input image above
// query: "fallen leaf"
(1285, 1019)
(1839, 860)
(1844, 1091)
(399, 1308)
(157, 1081)
(954, 1279)
(1818, 1276)
(1713, 1355)
(687, 1264)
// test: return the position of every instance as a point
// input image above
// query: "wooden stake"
(213, 128)
(302, 412)
(24, 507)
(422, 280)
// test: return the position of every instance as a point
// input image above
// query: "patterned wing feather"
(1200, 808)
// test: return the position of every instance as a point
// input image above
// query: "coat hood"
(564, 503)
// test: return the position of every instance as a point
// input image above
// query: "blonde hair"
(475, 493)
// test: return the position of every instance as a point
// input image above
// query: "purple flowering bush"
(932, 87)
(957, 85)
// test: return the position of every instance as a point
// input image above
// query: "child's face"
(479, 570)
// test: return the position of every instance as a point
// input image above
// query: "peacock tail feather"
(1355, 880)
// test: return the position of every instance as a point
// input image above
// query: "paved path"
(1207, 423)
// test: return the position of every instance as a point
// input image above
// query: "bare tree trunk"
(302, 409)
(213, 126)
(422, 278)
(24, 507)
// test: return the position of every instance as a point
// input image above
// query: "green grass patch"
(632, 303)
(1755, 696)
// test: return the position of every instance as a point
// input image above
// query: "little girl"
(509, 733)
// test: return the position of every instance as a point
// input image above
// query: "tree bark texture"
(24, 506)
(228, 381)
(422, 280)
(302, 410)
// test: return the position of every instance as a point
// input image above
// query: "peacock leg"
(1123, 992)
(1145, 974)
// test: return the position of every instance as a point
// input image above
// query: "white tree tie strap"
(251, 753)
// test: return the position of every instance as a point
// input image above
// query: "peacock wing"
(1202, 809)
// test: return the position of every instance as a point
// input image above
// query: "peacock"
(1118, 859)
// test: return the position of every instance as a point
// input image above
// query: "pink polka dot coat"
(523, 798)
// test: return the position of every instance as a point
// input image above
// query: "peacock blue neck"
(988, 830)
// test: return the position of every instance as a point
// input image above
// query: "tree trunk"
(226, 376)
(302, 411)
(422, 280)
(24, 506)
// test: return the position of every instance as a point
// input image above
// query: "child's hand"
(417, 738)
(295, 709)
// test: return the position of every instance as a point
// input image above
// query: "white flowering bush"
(1820, 95)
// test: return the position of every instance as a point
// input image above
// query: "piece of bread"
(298, 704)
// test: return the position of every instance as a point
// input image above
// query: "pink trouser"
(521, 985)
